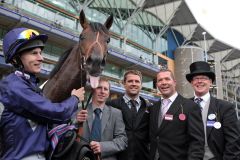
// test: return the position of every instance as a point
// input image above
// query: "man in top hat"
(219, 116)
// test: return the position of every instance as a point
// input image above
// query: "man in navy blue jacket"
(25, 112)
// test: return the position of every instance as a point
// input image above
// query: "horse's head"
(93, 46)
(87, 57)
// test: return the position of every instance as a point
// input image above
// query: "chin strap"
(17, 63)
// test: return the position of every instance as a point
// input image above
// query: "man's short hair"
(103, 79)
(134, 72)
(167, 70)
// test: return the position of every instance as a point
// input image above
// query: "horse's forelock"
(98, 27)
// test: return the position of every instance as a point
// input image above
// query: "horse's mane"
(96, 27)
(60, 62)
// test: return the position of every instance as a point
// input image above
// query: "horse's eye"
(81, 37)
(108, 40)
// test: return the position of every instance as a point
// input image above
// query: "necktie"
(163, 110)
(134, 111)
(133, 107)
(96, 127)
(165, 103)
(198, 101)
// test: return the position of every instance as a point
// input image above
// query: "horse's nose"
(95, 64)
(95, 59)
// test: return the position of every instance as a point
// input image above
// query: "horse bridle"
(83, 57)
(83, 64)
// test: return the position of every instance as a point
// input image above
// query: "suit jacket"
(177, 139)
(138, 135)
(225, 141)
(113, 135)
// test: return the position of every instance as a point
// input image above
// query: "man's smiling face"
(201, 84)
(166, 84)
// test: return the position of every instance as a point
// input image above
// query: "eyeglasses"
(27, 34)
(200, 78)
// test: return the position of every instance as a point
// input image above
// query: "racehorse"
(84, 60)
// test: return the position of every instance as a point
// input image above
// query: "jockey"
(26, 113)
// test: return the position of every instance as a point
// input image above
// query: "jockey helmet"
(20, 39)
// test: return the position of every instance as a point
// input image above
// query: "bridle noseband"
(83, 56)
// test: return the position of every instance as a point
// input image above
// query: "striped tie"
(198, 101)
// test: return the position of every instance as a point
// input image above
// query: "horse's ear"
(83, 20)
(109, 22)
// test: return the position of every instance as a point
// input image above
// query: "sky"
(220, 18)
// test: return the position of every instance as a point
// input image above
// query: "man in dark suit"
(176, 128)
(219, 117)
(136, 117)
(103, 125)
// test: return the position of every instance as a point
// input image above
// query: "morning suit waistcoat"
(208, 153)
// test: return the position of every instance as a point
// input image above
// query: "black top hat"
(200, 68)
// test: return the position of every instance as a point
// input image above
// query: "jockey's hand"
(82, 116)
(79, 93)
(96, 147)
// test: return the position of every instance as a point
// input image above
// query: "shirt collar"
(172, 98)
(127, 99)
(205, 97)
(27, 76)
(95, 107)
(21, 74)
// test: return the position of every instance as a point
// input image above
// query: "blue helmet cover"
(13, 41)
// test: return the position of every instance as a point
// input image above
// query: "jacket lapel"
(176, 105)
(105, 116)
(90, 117)
(156, 108)
(211, 110)
(141, 112)
(127, 113)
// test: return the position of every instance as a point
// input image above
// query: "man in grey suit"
(111, 137)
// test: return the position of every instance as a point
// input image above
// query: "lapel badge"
(168, 117)
(182, 117)
(210, 123)
(217, 125)
(211, 116)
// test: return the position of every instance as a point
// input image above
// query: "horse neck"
(69, 77)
